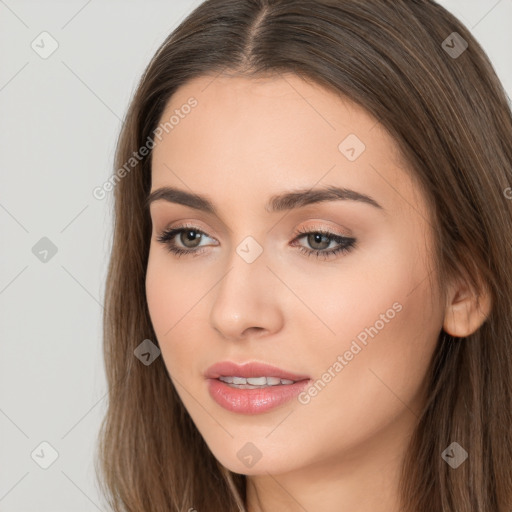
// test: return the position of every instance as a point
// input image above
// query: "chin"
(249, 458)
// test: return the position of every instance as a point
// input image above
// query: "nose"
(246, 303)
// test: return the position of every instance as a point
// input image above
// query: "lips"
(247, 399)
(251, 370)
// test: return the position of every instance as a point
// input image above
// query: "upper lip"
(251, 369)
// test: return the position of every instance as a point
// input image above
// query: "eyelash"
(346, 243)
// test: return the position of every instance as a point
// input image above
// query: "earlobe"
(465, 310)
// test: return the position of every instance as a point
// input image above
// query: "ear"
(465, 310)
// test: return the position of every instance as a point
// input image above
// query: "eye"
(188, 236)
(185, 240)
(320, 240)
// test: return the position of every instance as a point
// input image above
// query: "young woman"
(309, 297)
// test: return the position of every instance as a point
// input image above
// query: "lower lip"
(253, 401)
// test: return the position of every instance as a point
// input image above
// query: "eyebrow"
(277, 203)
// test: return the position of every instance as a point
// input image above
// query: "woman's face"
(264, 286)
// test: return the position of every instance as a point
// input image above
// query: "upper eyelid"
(319, 224)
(309, 229)
(192, 228)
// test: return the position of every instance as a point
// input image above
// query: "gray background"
(60, 118)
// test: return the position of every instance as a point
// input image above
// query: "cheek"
(176, 308)
(386, 332)
(159, 294)
(166, 301)
(366, 288)
(171, 294)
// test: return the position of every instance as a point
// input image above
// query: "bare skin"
(245, 141)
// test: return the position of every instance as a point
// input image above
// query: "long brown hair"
(450, 117)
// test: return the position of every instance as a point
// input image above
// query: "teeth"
(252, 382)
(256, 381)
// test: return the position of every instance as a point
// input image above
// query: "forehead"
(255, 101)
(270, 134)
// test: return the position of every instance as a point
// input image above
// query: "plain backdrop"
(60, 117)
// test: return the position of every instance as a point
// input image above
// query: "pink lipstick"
(252, 388)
